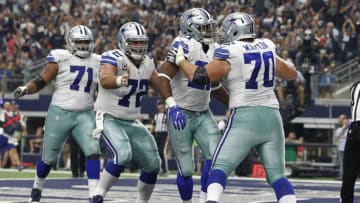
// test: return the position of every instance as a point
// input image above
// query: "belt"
(195, 112)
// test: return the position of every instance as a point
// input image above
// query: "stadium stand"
(321, 38)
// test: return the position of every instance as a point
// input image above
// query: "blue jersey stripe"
(50, 58)
(221, 53)
(106, 61)
(185, 46)
(108, 58)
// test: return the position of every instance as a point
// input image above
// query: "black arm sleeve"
(39, 82)
(200, 76)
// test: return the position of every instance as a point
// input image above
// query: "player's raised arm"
(39, 82)
(154, 81)
(285, 70)
(108, 77)
(212, 72)
(167, 71)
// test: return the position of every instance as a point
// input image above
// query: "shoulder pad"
(57, 55)
(269, 42)
(112, 57)
(221, 53)
(96, 56)
(185, 43)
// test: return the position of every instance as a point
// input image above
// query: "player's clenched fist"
(20, 91)
(123, 80)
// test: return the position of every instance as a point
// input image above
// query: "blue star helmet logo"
(232, 20)
(190, 16)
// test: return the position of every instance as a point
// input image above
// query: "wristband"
(164, 75)
(216, 88)
(179, 59)
(170, 102)
(119, 81)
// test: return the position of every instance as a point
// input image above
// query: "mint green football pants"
(200, 126)
(253, 127)
(60, 124)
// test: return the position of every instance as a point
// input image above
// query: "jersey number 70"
(259, 58)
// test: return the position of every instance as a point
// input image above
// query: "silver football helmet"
(199, 24)
(80, 41)
(238, 26)
(132, 39)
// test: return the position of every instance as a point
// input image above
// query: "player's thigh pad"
(58, 125)
(82, 133)
(116, 139)
(144, 147)
(272, 151)
(206, 133)
(182, 144)
(240, 136)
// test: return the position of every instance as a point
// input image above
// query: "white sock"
(68, 164)
(287, 199)
(202, 196)
(214, 192)
(105, 183)
(144, 191)
(101, 163)
(38, 182)
(92, 183)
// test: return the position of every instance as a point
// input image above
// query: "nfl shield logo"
(124, 67)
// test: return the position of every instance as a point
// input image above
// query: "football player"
(75, 72)
(248, 67)
(188, 103)
(125, 76)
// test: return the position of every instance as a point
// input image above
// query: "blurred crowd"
(315, 34)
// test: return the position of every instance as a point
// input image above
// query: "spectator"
(35, 142)
(291, 93)
(340, 140)
(327, 79)
(349, 43)
(11, 124)
(293, 149)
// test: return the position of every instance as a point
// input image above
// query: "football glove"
(171, 55)
(20, 91)
(180, 54)
(176, 55)
(177, 117)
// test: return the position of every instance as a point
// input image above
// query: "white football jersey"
(76, 80)
(251, 79)
(188, 95)
(124, 102)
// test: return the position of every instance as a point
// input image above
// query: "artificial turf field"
(15, 187)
